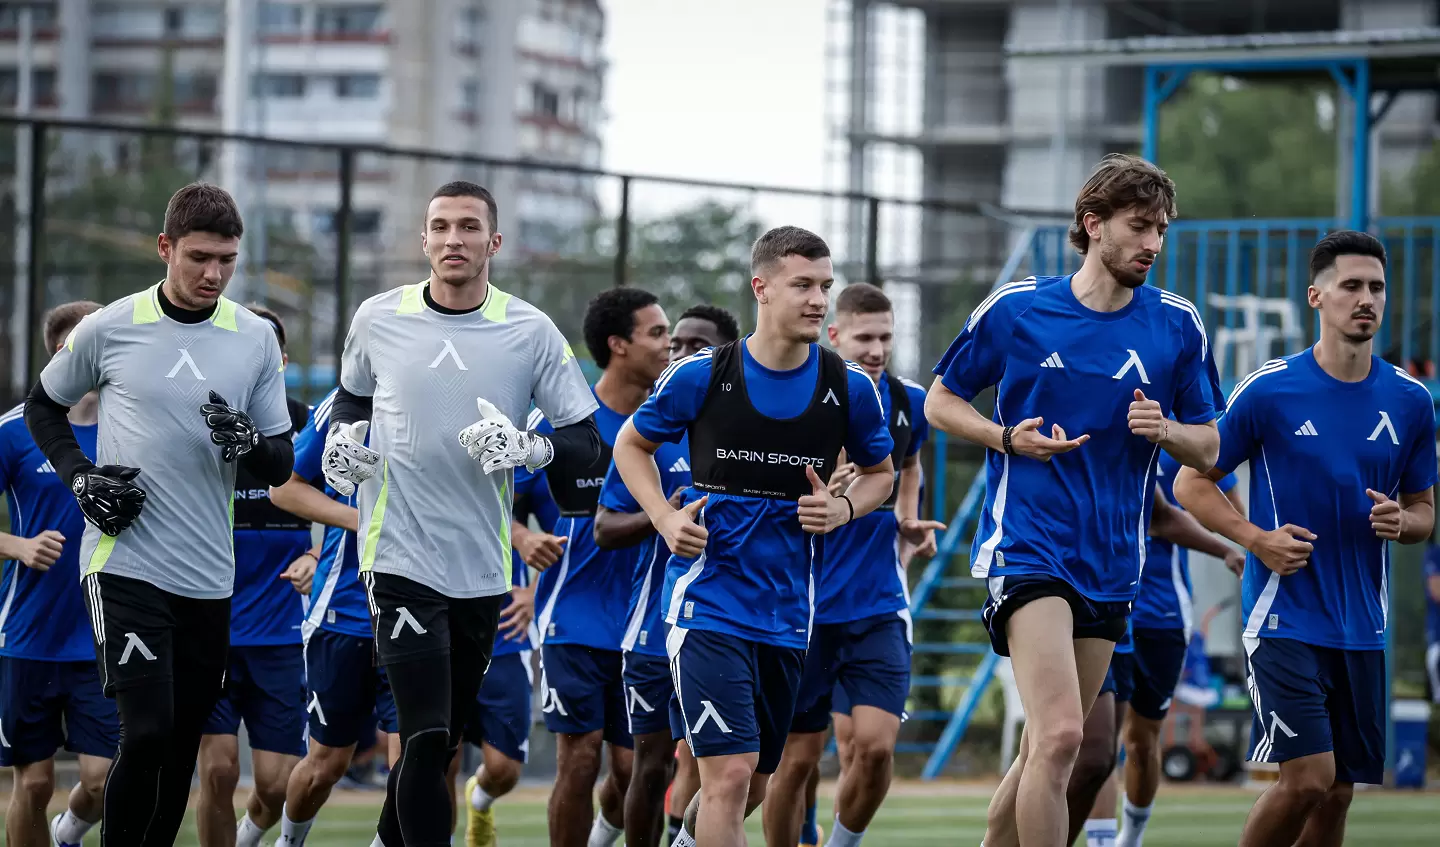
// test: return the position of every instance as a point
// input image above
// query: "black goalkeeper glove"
(231, 428)
(108, 497)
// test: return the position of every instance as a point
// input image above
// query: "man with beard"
(1340, 442)
(1061, 539)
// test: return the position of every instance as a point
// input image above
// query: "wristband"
(846, 498)
(1007, 439)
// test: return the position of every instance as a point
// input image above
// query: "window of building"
(471, 27)
(470, 95)
(42, 90)
(281, 19)
(280, 86)
(195, 88)
(357, 86)
(127, 23)
(363, 222)
(195, 22)
(544, 101)
(174, 20)
(124, 90)
(42, 16)
(351, 19)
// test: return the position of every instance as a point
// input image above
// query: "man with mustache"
(1062, 535)
(1342, 462)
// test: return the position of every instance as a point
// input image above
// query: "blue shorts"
(1008, 594)
(868, 658)
(1312, 700)
(839, 701)
(648, 692)
(500, 716)
(1157, 662)
(264, 687)
(584, 691)
(348, 692)
(47, 705)
(736, 696)
(1120, 677)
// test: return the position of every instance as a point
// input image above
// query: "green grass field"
(945, 814)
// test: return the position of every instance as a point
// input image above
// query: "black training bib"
(577, 490)
(901, 430)
(253, 509)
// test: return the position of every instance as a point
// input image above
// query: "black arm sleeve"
(50, 427)
(349, 408)
(576, 445)
(272, 459)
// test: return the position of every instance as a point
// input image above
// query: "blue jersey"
(42, 613)
(1164, 601)
(860, 575)
(1314, 445)
(538, 503)
(642, 626)
(1432, 607)
(580, 598)
(1080, 517)
(337, 599)
(755, 579)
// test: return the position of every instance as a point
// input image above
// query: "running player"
(435, 554)
(862, 631)
(49, 686)
(1333, 435)
(1432, 620)
(767, 417)
(1062, 534)
(581, 629)
(620, 524)
(265, 683)
(158, 582)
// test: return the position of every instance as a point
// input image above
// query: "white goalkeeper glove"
(496, 444)
(347, 462)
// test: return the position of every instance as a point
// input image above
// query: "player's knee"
(35, 784)
(324, 765)
(428, 750)
(1308, 782)
(1337, 799)
(1059, 742)
(728, 779)
(580, 759)
(651, 773)
(220, 774)
(503, 774)
(758, 784)
(871, 753)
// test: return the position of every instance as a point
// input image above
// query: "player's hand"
(682, 534)
(496, 444)
(1027, 440)
(677, 497)
(515, 620)
(820, 512)
(920, 535)
(1386, 516)
(540, 550)
(42, 551)
(347, 462)
(109, 497)
(1285, 550)
(1235, 563)
(844, 474)
(301, 573)
(231, 428)
(1147, 419)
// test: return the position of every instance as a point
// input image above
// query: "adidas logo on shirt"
(1052, 361)
(1306, 428)
(46, 468)
(680, 466)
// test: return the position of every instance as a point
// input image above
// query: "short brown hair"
(202, 207)
(785, 241)
(862, 298)
(59, 321)
(1118, 183)
(461, 188)
(274, 319)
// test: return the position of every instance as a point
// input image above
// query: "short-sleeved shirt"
(153, 375)
(530, 488)
(1314, 444)
(1082, 516)
(431, 514)
(1164, 600)
(755, 579)
(42, 613)
(337, 599)
(860, 575)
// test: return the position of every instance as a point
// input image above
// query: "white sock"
(292, 833)
(247, 834)
(1136, 819)
(480, 800)
(842, 837)
(603, 833)
(1100, 832)
(377, 842)
(70, 829)
(684, 839)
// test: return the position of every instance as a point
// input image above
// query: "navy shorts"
(1311, 700)
(348, 693)
(1120, 678)
(1008, 594)
(839, 701)
(648, 692)
(736, 696)
(264, 687)
(868, 658)
(1157, 663)
(500, 716)
(48, 705)
(584, 691)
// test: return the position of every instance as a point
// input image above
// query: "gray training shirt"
(430, 513)
(153, 375)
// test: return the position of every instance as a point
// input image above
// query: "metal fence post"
(35, 300)
(342, 253)
(622, 234)
(872, 242)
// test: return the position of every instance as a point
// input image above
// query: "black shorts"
(412, 620)
(1093, 619)
(144, 634)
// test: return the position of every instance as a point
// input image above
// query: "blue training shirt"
(860, 575)
(42, 613)
(1314, 445)
(755, 578)
(337, 599)
(1082, 516)
(532, 487)
(1164, 601)
(1432, 607)
(643, 634)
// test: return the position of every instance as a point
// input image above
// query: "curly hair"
(611, 313)
(725, 322)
